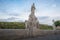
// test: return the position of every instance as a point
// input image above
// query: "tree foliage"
(57, 23)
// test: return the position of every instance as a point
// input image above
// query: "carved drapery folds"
(32, 21)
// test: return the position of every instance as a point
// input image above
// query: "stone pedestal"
(32, 23)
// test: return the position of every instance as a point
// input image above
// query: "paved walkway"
(12, 35)
(49, 37)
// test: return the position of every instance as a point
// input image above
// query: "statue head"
(33, 7)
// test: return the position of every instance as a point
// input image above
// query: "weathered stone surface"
(32, 22)
(12, 34)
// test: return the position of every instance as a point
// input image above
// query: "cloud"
(11, 19)
(43, 17)
(46, 10)
(8, 19)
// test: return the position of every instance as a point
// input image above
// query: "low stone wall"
(39, 32)
(13, 33)
(22, 33)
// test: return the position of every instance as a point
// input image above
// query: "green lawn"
(46, 27)
(20, 25)
(12, 25)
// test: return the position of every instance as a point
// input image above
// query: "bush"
(57, 23)
(12, 25)
(46, 27)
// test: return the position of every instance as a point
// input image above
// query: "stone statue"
(32, 21)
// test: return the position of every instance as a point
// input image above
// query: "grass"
(12, 25)
(46, 27)
(21, 25)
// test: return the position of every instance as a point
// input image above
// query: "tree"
(57, 23)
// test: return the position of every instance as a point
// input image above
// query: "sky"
(19, 10)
